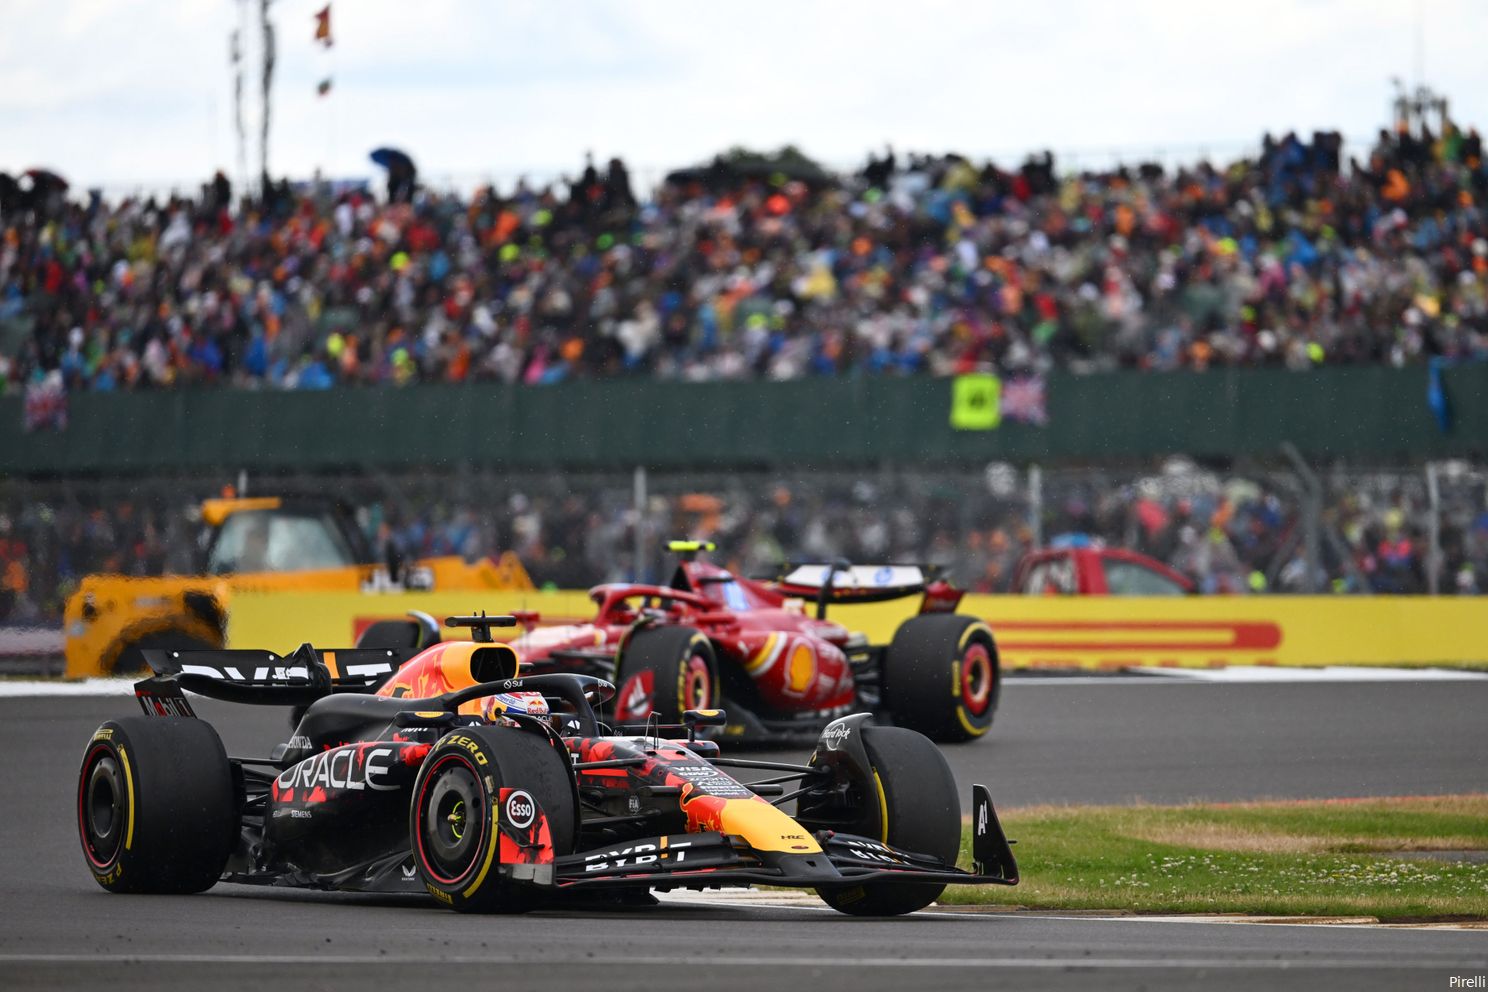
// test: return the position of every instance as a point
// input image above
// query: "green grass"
(1323, 858)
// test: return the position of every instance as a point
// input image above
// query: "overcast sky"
(123, 92)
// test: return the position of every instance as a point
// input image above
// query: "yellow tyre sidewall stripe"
(129, 790)
(883, 806)
(967, 725)
(494, 843)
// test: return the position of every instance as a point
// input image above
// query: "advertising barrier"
(1329, 412)
(1032, 632)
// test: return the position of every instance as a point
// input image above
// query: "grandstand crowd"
(1297, 256)
(1292, 257)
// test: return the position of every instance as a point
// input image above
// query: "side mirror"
(440, 719)
(693, 719)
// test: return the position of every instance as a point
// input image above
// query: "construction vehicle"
(257, 544)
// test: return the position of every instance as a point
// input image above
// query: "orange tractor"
(257, 544)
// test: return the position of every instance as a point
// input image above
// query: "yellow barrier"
(282, 621)
(1087, 632)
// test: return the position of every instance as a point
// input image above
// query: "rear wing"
(262, 677)
(840, 582)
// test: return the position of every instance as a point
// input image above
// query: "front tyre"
(918, 810)
(941, 676)
(455, 818)
(156, 806)
(665, 671)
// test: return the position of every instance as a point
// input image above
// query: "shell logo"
(801, 668)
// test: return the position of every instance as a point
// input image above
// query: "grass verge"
(1324, 858)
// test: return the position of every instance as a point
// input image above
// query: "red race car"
(711, 638)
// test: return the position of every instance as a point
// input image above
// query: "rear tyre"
(941, 677)
(665, 671)
(921, 813)
(156, 806)
(454, 821)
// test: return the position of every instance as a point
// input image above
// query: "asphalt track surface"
(1098, 743)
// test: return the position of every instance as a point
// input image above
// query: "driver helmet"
(522, 703)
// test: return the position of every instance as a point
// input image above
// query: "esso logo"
(521, 810)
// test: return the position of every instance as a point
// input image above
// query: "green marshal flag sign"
(976, 402)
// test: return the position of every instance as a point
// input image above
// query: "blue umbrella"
(392, 158)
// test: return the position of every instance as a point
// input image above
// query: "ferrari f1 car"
(494, 791)
(711, 638)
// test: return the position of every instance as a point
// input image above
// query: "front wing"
(713, 860)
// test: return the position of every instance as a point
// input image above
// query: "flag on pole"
(323, 26)
(1025, 401)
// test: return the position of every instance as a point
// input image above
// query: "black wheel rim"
(452, 825)
(102, 810)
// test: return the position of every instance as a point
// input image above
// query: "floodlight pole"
(235, 57)
(268, 78)
(1312, 512)
(1036, 504)
(1420, 44)
(639, 494)
(1434, 548)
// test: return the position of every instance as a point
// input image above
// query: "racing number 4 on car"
(445, 768)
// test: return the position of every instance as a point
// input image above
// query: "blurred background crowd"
(1232, 532)
(769, 267)
(762, 267)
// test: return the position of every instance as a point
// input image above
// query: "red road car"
(1092, 570)
(779, 666)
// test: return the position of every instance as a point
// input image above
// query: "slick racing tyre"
(461, 824)
(156, 806)
(941, 677)
(666, 671)
(921, 813)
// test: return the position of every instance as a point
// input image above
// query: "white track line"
(1333, 673)
(772, 960)
(15, 688)
(789, 899)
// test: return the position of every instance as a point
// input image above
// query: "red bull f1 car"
(781, 670)
(456, 774)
